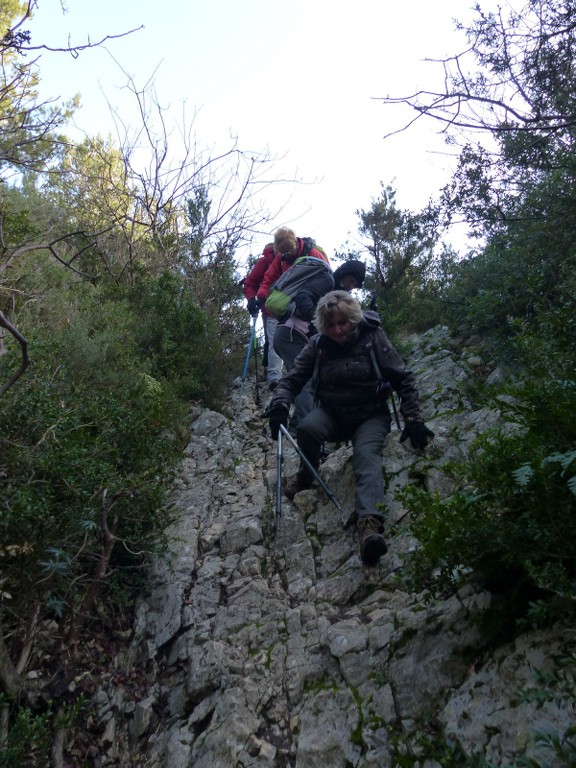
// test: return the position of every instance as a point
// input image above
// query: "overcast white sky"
(299, 78)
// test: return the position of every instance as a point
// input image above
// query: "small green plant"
(31, 734)
(28, 738)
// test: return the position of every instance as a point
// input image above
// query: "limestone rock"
(266, 645)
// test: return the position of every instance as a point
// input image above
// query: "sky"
(298, 79)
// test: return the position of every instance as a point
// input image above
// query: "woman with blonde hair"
(354, 368)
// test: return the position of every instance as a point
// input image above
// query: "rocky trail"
(259, 647)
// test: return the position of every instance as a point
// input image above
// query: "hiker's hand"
(253, 306)
(418, 433)
(277, 416)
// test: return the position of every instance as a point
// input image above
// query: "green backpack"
(285, 289)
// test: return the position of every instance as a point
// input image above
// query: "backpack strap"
(308, 245)
(368, 347)
(384, 388)
(314, 379)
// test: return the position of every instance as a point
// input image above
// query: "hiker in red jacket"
(252, 282)
(288, 248)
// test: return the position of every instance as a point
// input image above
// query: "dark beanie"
(355, 268)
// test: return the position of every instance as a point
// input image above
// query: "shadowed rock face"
(261, 647)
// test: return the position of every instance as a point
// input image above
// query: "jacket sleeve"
(400, 377)
(255, 277)
(292, 383)
(310, 293)
(272, 274)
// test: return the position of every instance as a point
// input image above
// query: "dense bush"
(180, 342)
(511, 523)
(86, 435)
(90, 435)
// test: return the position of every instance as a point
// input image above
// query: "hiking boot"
(294, 484)
(372, 544)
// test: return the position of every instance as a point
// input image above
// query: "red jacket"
(279, 265)
(254, 278)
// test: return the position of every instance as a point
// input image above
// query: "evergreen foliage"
(512, 522)
(129, 299)
(407, 267)
(87, 422)
(128, 304)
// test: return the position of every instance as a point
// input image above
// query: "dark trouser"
(288, 343)
(367, 437)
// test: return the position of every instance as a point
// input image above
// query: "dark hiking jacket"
(346, 380)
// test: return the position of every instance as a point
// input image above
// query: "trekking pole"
(256, 369)
(250, 343)
(312, 469)
(279, 481)
(246, 366)
(395, 410)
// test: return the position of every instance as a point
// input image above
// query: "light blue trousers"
(274, 359)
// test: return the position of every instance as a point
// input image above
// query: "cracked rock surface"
(266, 646)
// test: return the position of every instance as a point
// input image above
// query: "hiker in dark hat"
(354, 368)
(350, 275)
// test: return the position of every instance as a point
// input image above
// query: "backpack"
(310, 243)
(286, 288)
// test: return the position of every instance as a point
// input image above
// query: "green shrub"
(181, 343)
(31, 734)
(90, 436)
(28, 739)
(512, 521)
(86, 435)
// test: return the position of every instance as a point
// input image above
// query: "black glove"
(253, 306)
(418, 433)
(277, 416)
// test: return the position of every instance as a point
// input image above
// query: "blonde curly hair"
(337, 303)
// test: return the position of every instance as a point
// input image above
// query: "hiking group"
(339, 370)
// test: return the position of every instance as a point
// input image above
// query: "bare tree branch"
(25, 362)
(18, 40)
(505, 87)
(9, 678)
